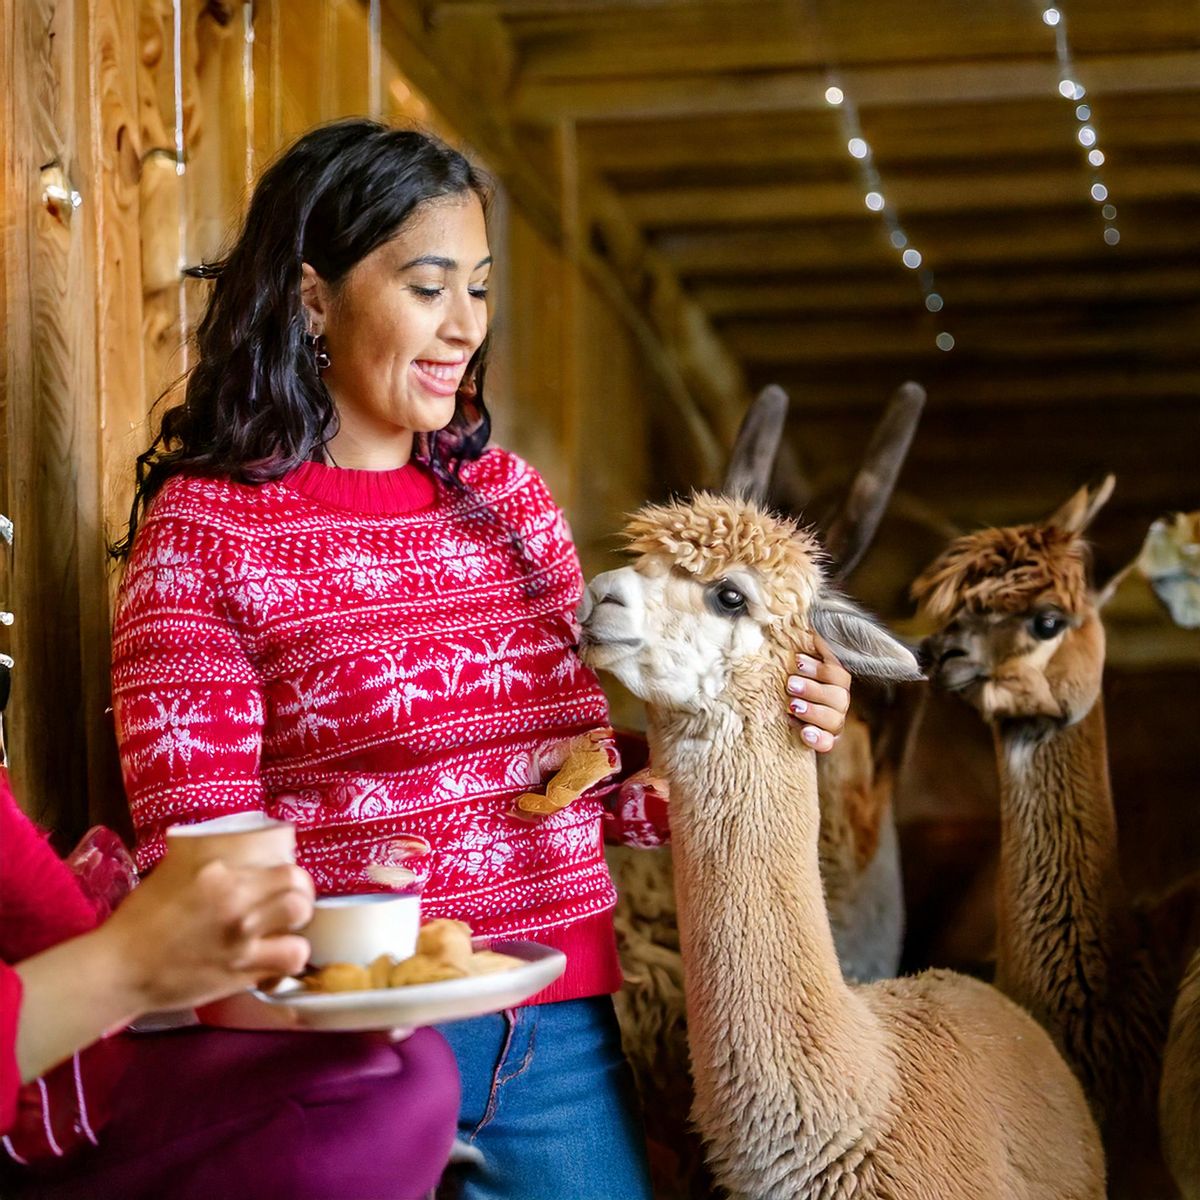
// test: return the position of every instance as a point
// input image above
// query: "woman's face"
(400, 330)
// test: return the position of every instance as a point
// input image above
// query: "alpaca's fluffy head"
(720, 598)
(1019, 635)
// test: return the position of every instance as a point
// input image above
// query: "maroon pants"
(206, 1113)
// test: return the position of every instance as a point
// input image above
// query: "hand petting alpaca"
(819, 696)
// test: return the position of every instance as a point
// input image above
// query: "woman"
(345, 609)
(193, 1114)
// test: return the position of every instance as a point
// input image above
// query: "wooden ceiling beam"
(947, 243)
(908, 193)
(701, 37)
(632, 152)
(909, 85)
(1169, 337)
(1032, 289)
(553, 8)
(1026, 385)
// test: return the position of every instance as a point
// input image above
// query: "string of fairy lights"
(838, 97)
(874, 197)
(1073, 91)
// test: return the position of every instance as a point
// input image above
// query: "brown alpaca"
(1021, 641)
(807, 1086)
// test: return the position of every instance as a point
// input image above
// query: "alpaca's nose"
(613, 587)
(609, 608)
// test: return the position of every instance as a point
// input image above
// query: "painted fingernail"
(810, 735)
(795, 685)
(806, 665)
(798, 707)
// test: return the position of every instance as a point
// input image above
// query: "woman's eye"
(427, 293)
(480, 293)
(729, 600)
(1047, 625)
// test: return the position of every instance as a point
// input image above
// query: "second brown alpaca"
(1021, 641)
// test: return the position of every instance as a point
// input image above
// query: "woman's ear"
(314, 297)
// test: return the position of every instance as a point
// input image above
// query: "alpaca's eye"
(728, 600)
(1047, 625)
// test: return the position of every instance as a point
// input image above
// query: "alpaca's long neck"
(776, 1034)
(1066, 936)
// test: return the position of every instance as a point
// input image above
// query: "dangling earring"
(320, 352)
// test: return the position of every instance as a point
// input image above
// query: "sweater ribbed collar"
(409, 488)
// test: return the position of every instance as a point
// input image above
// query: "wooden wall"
(158, 115)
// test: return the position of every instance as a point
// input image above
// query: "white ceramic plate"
(394, 1008)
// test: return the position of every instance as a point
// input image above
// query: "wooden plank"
(947, 243)
(18, 199)
(1030, 289)
(51, 768)
(112, 424)
(161, 207)
(908, 193)
(219, 170)
(921, 84)
(705, 37)
(651, 152)
(1165, 335)
(438, 9)
(61, 741)
(1026, 385)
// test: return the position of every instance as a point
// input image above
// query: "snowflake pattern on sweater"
(372, 675)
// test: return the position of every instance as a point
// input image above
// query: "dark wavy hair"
(254, 406)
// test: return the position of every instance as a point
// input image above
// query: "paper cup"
(241, 839)
(358, 929)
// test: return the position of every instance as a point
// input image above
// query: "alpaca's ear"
(753, 459)
(863, 645)
(1078, 512)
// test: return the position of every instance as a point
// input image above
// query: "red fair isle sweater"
(363, 653)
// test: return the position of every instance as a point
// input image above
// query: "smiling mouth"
(440, 378)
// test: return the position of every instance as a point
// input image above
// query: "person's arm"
(183, 938)
(188, 701)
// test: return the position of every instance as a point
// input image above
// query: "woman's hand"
(184, 937)
(819, 696)
(188, 936)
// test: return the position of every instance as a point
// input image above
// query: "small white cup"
(247, 839)
(358, 929)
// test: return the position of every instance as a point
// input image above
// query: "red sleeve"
(188, 702)
(636, 808)
(41, 903)
(10, 1078)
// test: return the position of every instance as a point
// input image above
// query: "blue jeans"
(548, 1102)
